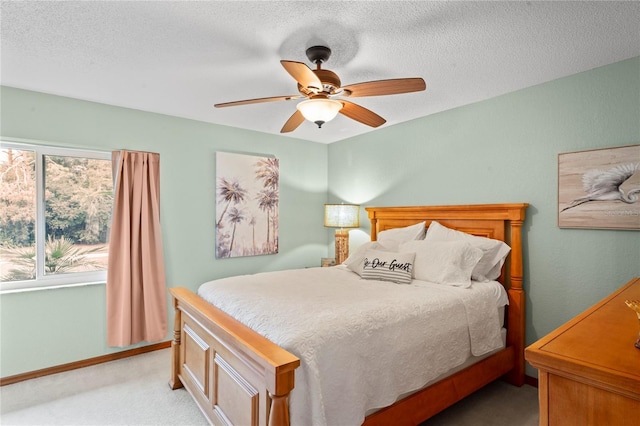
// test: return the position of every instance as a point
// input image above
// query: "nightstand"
(327, 261)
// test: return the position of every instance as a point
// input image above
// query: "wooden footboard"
(235, 375)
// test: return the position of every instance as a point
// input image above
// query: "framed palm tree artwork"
(247, 197)
(600, 188)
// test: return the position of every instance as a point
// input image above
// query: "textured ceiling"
(180, 58)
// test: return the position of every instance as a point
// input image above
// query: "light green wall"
(501, 150)
(505, 150)
(45, 328)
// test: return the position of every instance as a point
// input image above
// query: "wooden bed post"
(374, 227)
(279, 413)
(280, 382)
(516, 310)
(174, 381)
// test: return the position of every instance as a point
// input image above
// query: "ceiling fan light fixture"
(319, 111)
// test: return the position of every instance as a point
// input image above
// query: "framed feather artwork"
(600, 188)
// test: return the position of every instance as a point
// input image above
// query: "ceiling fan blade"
(293, 122)
(257, 101)
(385, 87)
(361, 114)
(303, 74)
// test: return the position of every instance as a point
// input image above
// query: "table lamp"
(342, 216)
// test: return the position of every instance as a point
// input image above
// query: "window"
(54, 217)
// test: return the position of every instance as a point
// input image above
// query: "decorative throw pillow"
(494, 252)
(444, 262)
(401, 235)
(388, 266)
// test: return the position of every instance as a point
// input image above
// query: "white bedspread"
(361, 343)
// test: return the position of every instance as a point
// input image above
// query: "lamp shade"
(319, 111)
(342, 215)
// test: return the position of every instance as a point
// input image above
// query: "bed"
(237, 376)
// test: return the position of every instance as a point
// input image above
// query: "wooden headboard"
(498, 221)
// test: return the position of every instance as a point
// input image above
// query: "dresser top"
(597, 345)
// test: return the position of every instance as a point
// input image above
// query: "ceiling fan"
(321, 86)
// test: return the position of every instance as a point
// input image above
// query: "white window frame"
(43, 281)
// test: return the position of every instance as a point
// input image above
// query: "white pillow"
(355, 260)
(388, 266)
(494, 251)
(444, 262)
(358, 254)
(401, 235)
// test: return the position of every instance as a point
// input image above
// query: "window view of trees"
(77, 196)
(18, 197)
(78, 199)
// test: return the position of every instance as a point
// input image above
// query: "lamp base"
(342, 245)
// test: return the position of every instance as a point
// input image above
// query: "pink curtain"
(136, 289)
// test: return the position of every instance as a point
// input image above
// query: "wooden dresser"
(589, 369)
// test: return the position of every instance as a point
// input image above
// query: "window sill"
(49, 287)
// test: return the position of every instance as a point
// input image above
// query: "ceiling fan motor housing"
(330, 83)
(330, 80)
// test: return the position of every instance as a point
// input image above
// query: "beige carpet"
(134, 391)
(497, 404)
